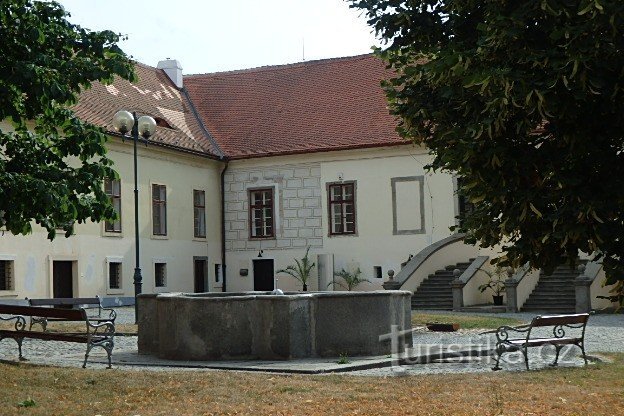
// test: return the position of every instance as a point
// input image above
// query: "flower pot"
(305, 287)
(498, 300)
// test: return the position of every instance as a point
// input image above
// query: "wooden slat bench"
(525, 337)
(99, 332)
(88, 304)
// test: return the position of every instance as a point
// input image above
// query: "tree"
(524, 100)
(52, 164)
(301, 271)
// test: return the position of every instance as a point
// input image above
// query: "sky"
(222, 35)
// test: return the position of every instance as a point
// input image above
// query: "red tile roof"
(314, 106)
(155, 95)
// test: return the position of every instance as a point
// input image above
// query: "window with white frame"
(199, 213)
(159, 209)
(6, 275)
(112, 187)
(160, 274)
(341, 208)
(261, 219)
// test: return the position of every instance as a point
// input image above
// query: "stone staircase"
(554, 293)
(435, 291)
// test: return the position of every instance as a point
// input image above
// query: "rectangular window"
(159, 209)
(114, 275)
(217, 273)
(112, 187)
(6, 275)
(342, 208)
(199, 208)
(160, 274)
(261, 213)
(377, 272)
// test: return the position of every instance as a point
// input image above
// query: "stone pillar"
(458, 290)
(511, 292)
(391, 284)
(582, 289)
(325, 264)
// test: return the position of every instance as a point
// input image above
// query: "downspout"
(223, 267)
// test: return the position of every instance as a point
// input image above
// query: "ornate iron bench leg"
(89, 346)
(108, 346)
(582, 346)
(525, 351)
(558, 350)
(19, 347)
(499, 353)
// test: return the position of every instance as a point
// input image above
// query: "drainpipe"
(223, 268)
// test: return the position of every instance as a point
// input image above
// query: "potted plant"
(350, 279)
(301, 270)
(496, 283)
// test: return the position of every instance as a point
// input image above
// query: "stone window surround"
(199, 237)
(109, 227)
(109, 290)
(10, 258)
(160, 289)
(275, 217)
(421, 184)
(151, 197)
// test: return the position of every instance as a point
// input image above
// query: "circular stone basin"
(262, 325)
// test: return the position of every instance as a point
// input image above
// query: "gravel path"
(605, 333)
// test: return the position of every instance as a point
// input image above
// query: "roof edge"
(280, 66)
(205, 130)
(320, 150)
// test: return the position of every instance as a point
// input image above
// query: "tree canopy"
(52, 164)
(524, 100)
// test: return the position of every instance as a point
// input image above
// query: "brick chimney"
(173, 69)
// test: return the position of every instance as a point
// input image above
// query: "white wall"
(375, 243)
(90, 246)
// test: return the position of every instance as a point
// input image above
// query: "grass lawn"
(490, 321)
(594, 390)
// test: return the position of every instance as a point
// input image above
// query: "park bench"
(99, 332)
(88, 304)
(521, 338)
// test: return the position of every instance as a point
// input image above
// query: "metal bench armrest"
(112, 315)
(20, 321)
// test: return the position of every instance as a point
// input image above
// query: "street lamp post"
(144, 126)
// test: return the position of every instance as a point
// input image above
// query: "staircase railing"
(466, 285)
(434, 257)
(519, 285)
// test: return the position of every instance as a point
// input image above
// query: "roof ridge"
(264, 68)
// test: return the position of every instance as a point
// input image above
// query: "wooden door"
(62, 279)
(264, 279)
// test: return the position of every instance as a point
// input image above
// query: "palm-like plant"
(351, 279)
(301, 270)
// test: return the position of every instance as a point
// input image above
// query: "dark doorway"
(62, 279)
(263, 275)
(200, 267)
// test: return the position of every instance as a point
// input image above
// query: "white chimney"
(173, 69)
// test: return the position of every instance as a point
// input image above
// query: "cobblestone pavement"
(605, 333)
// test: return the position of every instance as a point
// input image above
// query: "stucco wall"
(376, 242)
(90, 247)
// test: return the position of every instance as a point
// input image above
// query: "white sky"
(221, 35)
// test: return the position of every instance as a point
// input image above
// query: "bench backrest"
(66, 302)
(553, 320)
(43, 312)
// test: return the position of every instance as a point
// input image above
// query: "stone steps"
(435, 291)
(554, 293)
